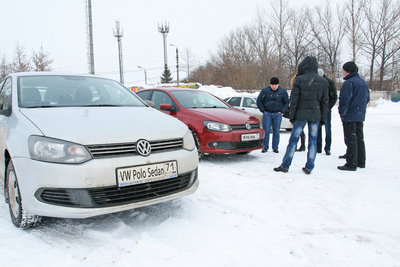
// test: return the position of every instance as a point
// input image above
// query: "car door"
(5, 104)
(160, 97)
(249, 105)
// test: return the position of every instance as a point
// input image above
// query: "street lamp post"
(177, 63)
(145, 74)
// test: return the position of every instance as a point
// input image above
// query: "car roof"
(44, 73)
(251, 96)
(172, 89)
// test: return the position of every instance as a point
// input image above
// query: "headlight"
(217, 126)
(57, 151)
(188, 141)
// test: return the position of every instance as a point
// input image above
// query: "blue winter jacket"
(273, 101)
(353, 98)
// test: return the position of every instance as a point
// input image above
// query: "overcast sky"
(60, 27)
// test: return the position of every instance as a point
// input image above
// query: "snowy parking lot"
(245, 214)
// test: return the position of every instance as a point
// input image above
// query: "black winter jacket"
(273, 101)
(332, 92)
(309, 97)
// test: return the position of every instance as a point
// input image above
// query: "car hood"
(100, 125)
(225, 115)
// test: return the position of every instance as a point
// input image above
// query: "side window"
(249, 102)
(145, 95)
(5, 94)
(235, 101)
(159, 98)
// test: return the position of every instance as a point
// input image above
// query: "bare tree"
(260, 38)
(328, 32)
(296, 42)
(20, 62)
(390, 43)
(279, 23)
(380, 36)
(41, 61)
(354, 22)
(5, 68)
(188, 62)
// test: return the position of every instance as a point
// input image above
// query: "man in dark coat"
(308, 105)
(353, 100)
(273, 101)
(328, 128)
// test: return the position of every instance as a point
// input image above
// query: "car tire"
(19, 217)
(196, 141)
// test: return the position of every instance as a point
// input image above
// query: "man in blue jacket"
(353, 100)
(273, 101)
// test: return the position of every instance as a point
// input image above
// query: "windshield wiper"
(43, 106)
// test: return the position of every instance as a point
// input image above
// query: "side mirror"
(167, 107)
(6, 112)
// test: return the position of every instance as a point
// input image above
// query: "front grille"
(243, 126)
(125, 149)
(114, 195)
(122, 195)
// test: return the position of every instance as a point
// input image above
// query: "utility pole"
(119, 35)
(145, 74)
(177, 64)
(90, 36)
(164, 30)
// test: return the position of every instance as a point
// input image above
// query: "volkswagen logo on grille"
(248, 126)
(143, 147)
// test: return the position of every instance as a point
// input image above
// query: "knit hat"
(321, 72)
(350, 67)
(274, 80)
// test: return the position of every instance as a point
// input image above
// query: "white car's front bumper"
(72, 186)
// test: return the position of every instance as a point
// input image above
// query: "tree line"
(39, 61)
(364, 31)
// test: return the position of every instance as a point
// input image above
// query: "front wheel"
(13, 196)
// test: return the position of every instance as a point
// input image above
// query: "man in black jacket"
(273, 101)
(308, 105)
(328, 128)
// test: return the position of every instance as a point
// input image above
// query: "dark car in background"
(216, 126)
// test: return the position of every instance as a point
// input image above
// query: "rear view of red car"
(216, 126)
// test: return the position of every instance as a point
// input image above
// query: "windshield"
(72, 91)
(198, 99)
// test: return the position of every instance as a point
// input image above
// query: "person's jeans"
(328, 133)
(354, 140)
(298, 127)
(274, 120)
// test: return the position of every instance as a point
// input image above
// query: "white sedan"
(81, 146)
(249, 104)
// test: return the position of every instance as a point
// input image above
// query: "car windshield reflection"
(198, 99)
(73, 91)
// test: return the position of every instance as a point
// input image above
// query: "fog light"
(214, 144)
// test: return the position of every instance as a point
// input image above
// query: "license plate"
(146, 173)
(249, 137)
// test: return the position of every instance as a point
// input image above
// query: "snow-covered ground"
(245, 214)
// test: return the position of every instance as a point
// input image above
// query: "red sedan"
(216, 126)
